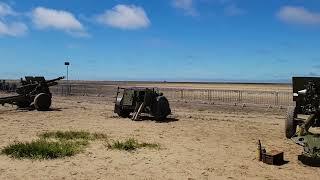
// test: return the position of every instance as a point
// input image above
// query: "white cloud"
(186, 5)
(45, 18)
(125, 17)
(13, 29)
(234, 10)
(298, 15)
(10, 28)
(6, 10)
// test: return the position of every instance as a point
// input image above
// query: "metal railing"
(7, 86)
(216, 96)
(234, 97)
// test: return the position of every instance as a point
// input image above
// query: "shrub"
(42, 149)
(131, 145)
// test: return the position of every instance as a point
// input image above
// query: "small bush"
(42, 149)
(60, 144)
(52, 145)
(150, 145)
(131, 145)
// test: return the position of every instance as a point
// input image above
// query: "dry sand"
(206, 142)
(215, 86)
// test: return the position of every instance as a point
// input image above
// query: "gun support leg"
(305, 127)
(136, 114)
(136, 110)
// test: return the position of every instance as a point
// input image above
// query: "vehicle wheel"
(123, 113)
(163, 108)
(42, 102)
(290, 124)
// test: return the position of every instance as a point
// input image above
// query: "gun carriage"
(303, 120)
(33, 92)
(141, 100)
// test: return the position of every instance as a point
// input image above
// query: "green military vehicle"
(303, 120)
(141, 100)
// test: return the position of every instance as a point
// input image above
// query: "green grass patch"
(73, 135)
(67, 135)
(59, 144)
(131, 145)
(43, 149)
(53, 145)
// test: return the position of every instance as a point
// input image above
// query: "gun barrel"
(56, 79)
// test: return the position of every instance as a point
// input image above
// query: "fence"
(232, 97)
(7, 86)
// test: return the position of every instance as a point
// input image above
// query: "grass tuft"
(67, 135)
(52, 145)
(73, 135)
(150, 145)
(131, 145)
(42, 149)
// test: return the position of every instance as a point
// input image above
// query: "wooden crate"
(273, 157)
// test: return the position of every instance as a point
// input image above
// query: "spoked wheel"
(290, 124)
(42, 102)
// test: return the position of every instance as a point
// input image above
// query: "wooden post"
(276, 98)
(182, 94)
(239, 96)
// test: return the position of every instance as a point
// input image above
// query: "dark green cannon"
(141, 100)
(303, 120)
(33, 92)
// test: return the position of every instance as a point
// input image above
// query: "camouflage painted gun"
(306, 94)
(34, 92)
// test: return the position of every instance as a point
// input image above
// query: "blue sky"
(173, 40)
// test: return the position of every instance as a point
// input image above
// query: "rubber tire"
(290, 125)
(42, 102)
(309, 161)
(163, 108)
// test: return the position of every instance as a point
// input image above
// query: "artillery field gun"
(34, 92)
(306, 94)
(141, 100)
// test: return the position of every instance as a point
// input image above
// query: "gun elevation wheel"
(290, 124)
(42, 102)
